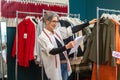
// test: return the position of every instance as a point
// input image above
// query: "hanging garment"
(26, 42)
(106, 46)
(37, 46)
(105, 72)
(106, 43)
(65, 23)
(117, 39)
(117, 45)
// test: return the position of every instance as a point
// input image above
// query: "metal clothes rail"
(97, 29)
(62, 13)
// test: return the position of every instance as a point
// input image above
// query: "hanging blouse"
(26, 42)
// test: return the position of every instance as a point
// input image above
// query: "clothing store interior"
(95, 56)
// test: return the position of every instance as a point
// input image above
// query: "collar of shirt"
(48, 32)
(51, 34)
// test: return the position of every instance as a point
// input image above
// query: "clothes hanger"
(35, 20)
(118, 17)
(103, 15)
(28, 17)
(32, 18)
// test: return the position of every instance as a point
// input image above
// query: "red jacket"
(26, 42)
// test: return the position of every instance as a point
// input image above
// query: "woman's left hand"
(93, 21)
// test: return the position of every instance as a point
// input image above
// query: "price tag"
(116, 54)
(25, 36)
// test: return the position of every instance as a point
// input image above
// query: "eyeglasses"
(54, 21)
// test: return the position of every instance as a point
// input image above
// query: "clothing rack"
(67, 14)
(97, 29)
(17, 15)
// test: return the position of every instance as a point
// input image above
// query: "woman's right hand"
(71, 44)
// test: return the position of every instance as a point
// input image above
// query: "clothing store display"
(54, 40)
(106, 45)
(27, 50)
(117, 45)
(65, 23)
(75, 60)
(28, 32)
(109, 41)
(106, 61)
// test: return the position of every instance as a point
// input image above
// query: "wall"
(11, 62)
(87, 8)
(92, 4)
(78, 7)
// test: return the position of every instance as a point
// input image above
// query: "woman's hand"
(71, 44)
(93, 21)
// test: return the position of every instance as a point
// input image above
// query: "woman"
(52, 45)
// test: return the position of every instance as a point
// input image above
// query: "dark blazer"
(106, 43)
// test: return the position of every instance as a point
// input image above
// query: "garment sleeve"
(79, 27)
(65, 32)
(57, 50)
(48, 48)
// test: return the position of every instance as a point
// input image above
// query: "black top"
(61, 48)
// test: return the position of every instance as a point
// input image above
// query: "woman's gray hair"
(49, 16)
